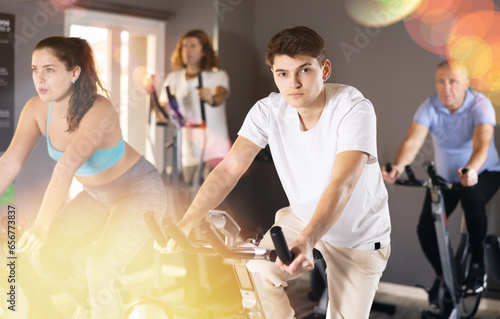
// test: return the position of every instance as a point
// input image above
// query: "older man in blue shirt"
(462, 123)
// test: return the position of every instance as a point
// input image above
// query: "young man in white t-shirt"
(323, 141)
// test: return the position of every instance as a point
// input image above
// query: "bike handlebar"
(155, 229)
(430, 170)
(175, 107)
(240, 252)
(218, 246)
(411, 181)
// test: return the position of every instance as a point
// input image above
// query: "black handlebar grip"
(409, 173)
(155, 229)
(281, 246)
(465, 170)
(169, 94)
(200, 81)
(388, 167)
(431, 170)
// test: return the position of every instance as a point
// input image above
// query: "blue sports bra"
(100, 161)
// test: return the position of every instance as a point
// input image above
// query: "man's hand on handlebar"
(468, 176)
(390, 174)
(303, 261)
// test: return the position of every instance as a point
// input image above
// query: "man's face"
(300, 79)
(451, 87)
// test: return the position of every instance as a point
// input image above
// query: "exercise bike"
(242, 253)
(454, 302)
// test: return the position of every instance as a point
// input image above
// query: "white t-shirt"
(217, 143)
(304, 161)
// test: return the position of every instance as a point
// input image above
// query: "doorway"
(127, 50)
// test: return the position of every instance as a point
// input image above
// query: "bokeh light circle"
(473, 52)
(140, 75)
(373, 13)
(431, 11)
(474, 40)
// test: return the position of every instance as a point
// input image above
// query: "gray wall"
(390, 69)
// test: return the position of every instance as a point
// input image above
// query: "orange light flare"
(431, 22)
(474, 41)
(430, 11)
(489, 85)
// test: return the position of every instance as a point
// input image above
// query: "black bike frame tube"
(445, 253)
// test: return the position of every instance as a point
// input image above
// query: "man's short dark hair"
(296, 41)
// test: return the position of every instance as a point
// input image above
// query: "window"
(127, 50)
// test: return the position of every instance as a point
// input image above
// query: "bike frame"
(443, 239)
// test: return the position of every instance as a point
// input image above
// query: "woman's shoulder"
(36, 107)
(35, 112)
(103, 108)
(35, 101)
(105, 105)
(103, 122)
(217, 77)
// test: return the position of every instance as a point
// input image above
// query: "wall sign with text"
(6, 80)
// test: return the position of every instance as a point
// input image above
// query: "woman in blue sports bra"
(83, 135)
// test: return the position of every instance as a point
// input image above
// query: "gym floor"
(409, 301)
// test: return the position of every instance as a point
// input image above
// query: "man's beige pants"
(353, 275)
